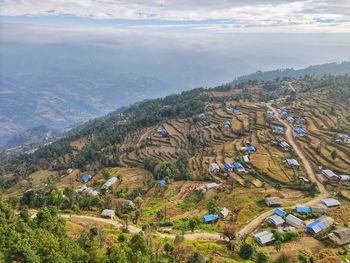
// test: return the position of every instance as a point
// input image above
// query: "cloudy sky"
(264, 34)
(220, 15)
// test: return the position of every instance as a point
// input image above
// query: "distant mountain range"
(38, 98)
(329, 68)
(58, 86)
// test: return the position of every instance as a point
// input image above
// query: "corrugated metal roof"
(276, 220)
(303, 209)
(293, 220)
(279, 212)
(329, 202)
(108, 213)
(264, 237)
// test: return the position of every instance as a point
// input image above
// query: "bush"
(262, 257)
(246, 251)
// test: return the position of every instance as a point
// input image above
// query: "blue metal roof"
(162, 182)
(300, 131)
(280, 212)
(227, 166)
(163, 131)
(279, 128)
(233, 110)
(210, 218)
(315, 227)
(238, 165)
(85, 178)
(303, 209)
(251, 148)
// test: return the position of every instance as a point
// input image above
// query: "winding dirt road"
(134, 230)
(298, 151)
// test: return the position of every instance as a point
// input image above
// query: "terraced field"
(207, 141)
(325, 120)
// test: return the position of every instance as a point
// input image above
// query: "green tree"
(192, 224)
(262, 257)
(196, 257)
(334, 154)
(246, 251)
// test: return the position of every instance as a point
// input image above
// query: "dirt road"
(135, 230)
(298, 151)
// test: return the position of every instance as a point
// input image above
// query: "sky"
(266, 34)
(220, 15)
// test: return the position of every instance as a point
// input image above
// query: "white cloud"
(281, 15)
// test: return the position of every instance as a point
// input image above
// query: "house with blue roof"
(233, 111)
(280, 212)
(227, 124)
(279, 129)
(300, 120)
(284, 114)
(303, 209)
(210, 218)
(319, 225)
(228, 167)
(85, 179)
(251, 148)
(239, 167)
(162, 182)
(163, 131)
(300, 131)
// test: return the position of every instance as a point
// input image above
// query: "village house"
(264, 238)
(273, 201)
(320, 225)
(345, 138)
(228, 167)
(278, 129)
(224, 212)
(304, 179)
(299, 131)
(246, 158)
(85, 179)
(290, 119)
(330, 202)
(109, 183)
(214, 167)
(227, 124)
(303, 209)
(162, 132)
(294, 221)
(330, 175)
(233, 111)
(344, 177)
(81, 189)
(319, 209)
(210, 218)
(292, 163)
(340, 237)
(285, 146)
(284, 115)
(202, 117)
(275, 220)
(239, 167)
(108, 213)
(211, 186)
(270, 116)
(279, 212)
